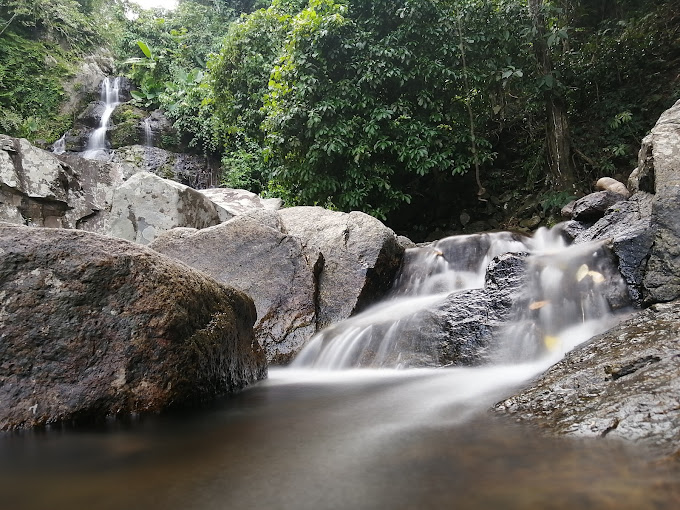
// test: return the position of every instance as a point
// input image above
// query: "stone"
(660, 160)
(38, 188)
(147, 205)
(609, 184)
(629, 226)
(188, 169)
(251, 254)
(234, 202)
(93, 327)
(568, 210)
(622, 384)
(362, 256)
(593, 206)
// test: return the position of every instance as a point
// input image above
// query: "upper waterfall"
(110, 96)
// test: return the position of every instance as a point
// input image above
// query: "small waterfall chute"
(59, 147)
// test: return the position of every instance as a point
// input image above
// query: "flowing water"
(148, 132)
(315, 437)
(59, 147)
(110, 97)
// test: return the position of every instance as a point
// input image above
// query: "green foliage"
(166, 54)
(359, 102)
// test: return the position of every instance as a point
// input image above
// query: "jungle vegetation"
(405, 109)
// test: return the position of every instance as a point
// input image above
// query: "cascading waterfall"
(110, 96)
(59, 147)
(565, 299)
(148, 132)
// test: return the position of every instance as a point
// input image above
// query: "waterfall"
(110, 96)
(148, 133)
(59, 147)
(563, 300)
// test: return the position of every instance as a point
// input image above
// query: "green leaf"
(145, 49)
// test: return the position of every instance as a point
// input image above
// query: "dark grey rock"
(621, 384)
(629, 226)
(593, 206)
(92, 326)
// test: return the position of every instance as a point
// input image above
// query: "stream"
(365, 439)
(354, 424)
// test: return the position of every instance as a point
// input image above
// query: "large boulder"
(92, 326)
(40, 189)
(621, 384)
(659, 164)
(361, 255)
(147, 205)
(252, 254)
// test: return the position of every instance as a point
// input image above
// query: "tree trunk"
(557, 124)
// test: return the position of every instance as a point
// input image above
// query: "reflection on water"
(346, 440)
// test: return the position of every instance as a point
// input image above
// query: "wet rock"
(188, 169)
(361, 256)
(629, 226)
(660, 157)
(85, 85)
(621, 384)
(235, 202)
(92, 327)
(466, 326)
(251, 254)
(146, 205)
(593, 206)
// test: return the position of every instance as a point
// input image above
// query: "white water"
(148, 132)
(110, 96)
(562, 304)
(59, 147)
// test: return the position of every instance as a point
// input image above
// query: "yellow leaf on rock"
(582, 272)
(597, 277)
(552, 342)
(537, 305)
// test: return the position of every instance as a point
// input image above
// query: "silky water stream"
(110, 97)
(350, 426)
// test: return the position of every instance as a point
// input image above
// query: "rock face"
(629, 226)
(467, 324)
(659, 163)
(621, 384)
(188, 169)
(92, 326)
(361, 256)
(252, 254)
(40, 189)
(146, 205)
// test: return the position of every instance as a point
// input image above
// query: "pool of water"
(334, 440)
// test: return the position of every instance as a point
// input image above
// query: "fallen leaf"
(537, 305)
(582, 272)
